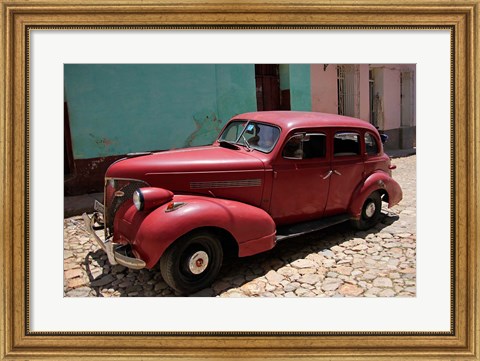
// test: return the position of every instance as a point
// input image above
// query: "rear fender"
(378, 181)
(251, 227)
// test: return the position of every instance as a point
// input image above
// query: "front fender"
(377, 181)
(151, 234)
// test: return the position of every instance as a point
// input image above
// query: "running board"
(285, 232)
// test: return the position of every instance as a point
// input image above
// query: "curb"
(76, 205)
(400, 153)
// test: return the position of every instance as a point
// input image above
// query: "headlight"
(138, 200)
(149, 198)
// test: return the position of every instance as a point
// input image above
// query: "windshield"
(259, 136)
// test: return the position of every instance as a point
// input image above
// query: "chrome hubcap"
(198, 262)
(370, 210)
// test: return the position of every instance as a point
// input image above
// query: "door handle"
(331, 172)
(328, 174)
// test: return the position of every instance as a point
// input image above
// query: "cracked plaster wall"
(120, 108)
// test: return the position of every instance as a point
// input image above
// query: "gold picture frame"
(18, 342)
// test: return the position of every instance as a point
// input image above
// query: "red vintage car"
(269, 176)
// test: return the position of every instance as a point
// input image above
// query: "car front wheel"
(370, 212)
(192, 262)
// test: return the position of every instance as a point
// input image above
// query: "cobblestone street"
(336, 262)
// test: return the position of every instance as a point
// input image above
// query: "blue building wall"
(120, 108)
(300, 88)
(296, 79)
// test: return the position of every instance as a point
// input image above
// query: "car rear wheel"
(192, 262)
(370, 212)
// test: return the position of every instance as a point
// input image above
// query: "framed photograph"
(53, 50)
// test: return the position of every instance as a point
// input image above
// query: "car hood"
(194, 160)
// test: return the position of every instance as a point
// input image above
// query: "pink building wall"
(391, 98)
(324, 88)
(364, 93)
(387, 107)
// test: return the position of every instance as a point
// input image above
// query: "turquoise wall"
(284, 70)
(117, 109)
(300, 89)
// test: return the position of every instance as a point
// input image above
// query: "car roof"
(288, 120)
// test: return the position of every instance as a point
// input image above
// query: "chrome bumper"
(107, 247)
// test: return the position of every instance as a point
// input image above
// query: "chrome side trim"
(242, 171)
(107, 247)
(227, 184)
(125, 179)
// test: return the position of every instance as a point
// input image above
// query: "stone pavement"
(337, 262)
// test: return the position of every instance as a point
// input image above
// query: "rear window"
(371, 145)
(346, 144)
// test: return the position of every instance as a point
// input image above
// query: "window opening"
(346, 143)
(371, 145)
(233, 131)
(306, 146)
(259, 136)
(348, 83)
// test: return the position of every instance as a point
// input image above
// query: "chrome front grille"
(117, 191)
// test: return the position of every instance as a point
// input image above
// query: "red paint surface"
(150, 233)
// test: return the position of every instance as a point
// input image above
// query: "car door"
(300, 189)
(347, 169)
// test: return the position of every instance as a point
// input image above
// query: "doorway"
(267, 79)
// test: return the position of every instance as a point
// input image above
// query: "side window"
(314, 146)
(305, 146)
(371, 145)
(346, 143)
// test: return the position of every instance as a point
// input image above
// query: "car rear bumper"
(107, 246)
